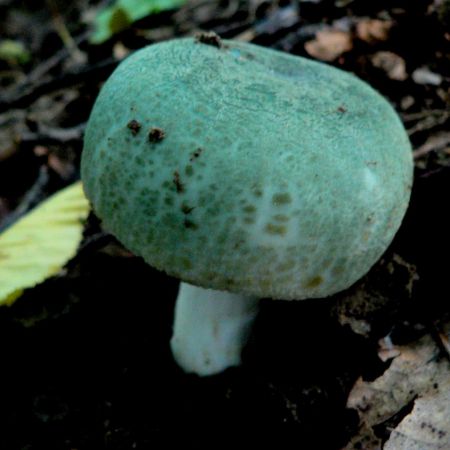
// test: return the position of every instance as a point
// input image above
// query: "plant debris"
(329, 44)
(419, 374)
(364, 369)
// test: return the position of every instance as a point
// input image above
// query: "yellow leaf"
(39, 244)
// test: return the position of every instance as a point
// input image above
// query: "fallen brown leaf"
(373, 30)
(329, 44)
(427, 427)
(414, 371)
(423, 75)
(391, 63)
(387, 350)
(419, 374)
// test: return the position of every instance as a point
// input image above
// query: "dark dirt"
(209, 38)
(134, 126)
(156, 134)
(85, 356)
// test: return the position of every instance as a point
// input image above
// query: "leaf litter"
(44, 136)
(418, 376)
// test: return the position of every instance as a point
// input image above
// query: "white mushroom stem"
(210, 328)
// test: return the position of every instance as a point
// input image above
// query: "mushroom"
(246, 173)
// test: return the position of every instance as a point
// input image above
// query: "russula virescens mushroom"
(247, 173)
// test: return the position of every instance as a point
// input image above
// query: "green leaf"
(13, 52)
(122, 13)
(39, 244)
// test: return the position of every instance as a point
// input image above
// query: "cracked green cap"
(240, 168)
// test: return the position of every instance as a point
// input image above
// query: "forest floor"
(86, 362)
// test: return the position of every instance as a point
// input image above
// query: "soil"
(86, 362)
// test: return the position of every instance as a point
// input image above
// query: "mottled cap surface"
(242, 168)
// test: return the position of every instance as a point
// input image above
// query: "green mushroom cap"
(241, 168)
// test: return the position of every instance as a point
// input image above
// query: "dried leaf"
(329, 44)
(391, 63)
(418, 374)
(423, 75)
(427, 427)
(387, 350)
(373, 30)
(411, 373)
(39, 244)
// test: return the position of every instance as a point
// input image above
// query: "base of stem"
(210, 329)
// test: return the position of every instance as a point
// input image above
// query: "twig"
(22, 99)
(47, 134)
(31, 199)
(430, 121)
(434, 143)
(44, 67)
(95, 242)
(64, 34)
(411, 117)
